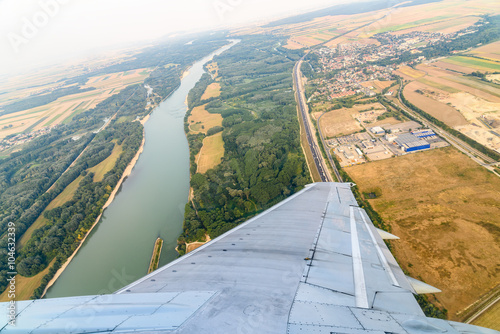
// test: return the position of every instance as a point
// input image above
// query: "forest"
(33, 177)
(263, 161)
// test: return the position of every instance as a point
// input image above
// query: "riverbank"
(141, 199)
(125, 174)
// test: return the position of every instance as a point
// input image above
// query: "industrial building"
(377, 130)
(410, 143)
(424, 133)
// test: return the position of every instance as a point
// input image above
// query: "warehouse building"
(410, 143)
(377, 130)
(424, 133)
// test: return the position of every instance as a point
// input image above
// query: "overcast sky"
(35, 31)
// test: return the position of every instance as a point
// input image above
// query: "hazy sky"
(35, 31)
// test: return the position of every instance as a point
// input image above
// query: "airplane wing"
(313, 263)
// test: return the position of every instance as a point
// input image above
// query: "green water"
(149, 205)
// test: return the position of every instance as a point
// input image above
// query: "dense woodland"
(263, 161)
(31, 178)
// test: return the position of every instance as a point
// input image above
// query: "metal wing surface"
(313, 263)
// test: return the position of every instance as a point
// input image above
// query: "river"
(149, 205)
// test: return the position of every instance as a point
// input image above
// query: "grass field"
(211, 153)
(445, 208)
(66, 195)
(413, 24)
(25, 286)
(107, 164)
(213, 90)
(201, 120)
(474, 63)
(490, 318)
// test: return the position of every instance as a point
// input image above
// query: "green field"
(412, 24)
(28, 130)
(474, 63)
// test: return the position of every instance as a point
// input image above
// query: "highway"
(311, 139)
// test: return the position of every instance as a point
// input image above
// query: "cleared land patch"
(211, 153)
(339, 122)
(445, 208)
(107, 164)
(200, 120)
(441, 111)
(213, 90)
(213, 69)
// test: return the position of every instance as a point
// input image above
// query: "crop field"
(455, 81)
(410, 72)
(201, 120)
(490, 318)
(213, 90)
(456, 15)
(474, 63)
(435, 201)
(65, 108)
(211, 153)
(489, 51)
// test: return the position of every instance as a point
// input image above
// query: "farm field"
(435, 201)
(474, 63)
(211, 153)
(65, 108)
(489, 51)
(200, 120)
(400, 20)
(456, 15)
(490, 318)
